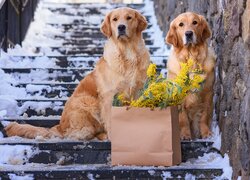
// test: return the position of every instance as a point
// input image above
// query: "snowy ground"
(37, 36)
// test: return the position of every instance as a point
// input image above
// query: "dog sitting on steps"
(122, 68)
(188, 35)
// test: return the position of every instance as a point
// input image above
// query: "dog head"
(188, 29)
(123, 24)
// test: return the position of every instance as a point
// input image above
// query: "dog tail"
(31, 132)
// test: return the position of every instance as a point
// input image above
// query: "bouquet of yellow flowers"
(161, 92)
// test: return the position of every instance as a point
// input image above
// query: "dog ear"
(206, 32)
(106, 27)
(171, 37)
(142, 22)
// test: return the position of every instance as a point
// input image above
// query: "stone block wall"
(230, 22)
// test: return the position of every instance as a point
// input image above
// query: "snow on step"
(63, 61)
(40, 32)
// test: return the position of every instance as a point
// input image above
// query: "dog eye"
(115, 19)
(181, 24)
(194, 22)
(128, 18)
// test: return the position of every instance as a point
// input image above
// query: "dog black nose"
(121, 27)
(189, 34)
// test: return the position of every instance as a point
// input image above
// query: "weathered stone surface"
(246, 24)
(230, 23)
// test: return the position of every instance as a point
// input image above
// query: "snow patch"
(165, 175)
(189, 177)
(5, 123)
(17, 154)
(151, 172)
(8, 106)
(1, 135)
(25, 177)
(216, 137)
(227, 169)
(8, 61)
(3, 113)
(212, 160)
(90, 176)
(157, 34)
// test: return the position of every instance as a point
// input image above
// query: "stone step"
(40, 121)
(83, 12)
(87, 41)
(49, 89)
(52, 74)
(69, 69)
(41, 106)
(63, 75)
(55, 74)
(79, 61)
(99, 6)
(58, 81)
(90, 34)
(52, 84)
(106, 172)
(83, 50)
(78, 25)
(92, 152)
(78, 28)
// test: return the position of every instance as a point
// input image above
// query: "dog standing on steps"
(122, 68)
(188, 34)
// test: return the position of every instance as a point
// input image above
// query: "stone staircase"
(81, 46)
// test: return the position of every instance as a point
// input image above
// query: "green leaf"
(116, 101)
(179, 89)
(151, 96)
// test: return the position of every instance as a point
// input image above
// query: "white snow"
(212, 160)
(3, 113)
(25, 177)
(166, 174)
(34, 88)
(8, 105)
(17, 154)
(151, 172)
(90, 176)
(38, 62)
(216, 135)
(5, 123)
(189, 177)
(227, 169)
(159, 39)
(9, 92)
(1, 135)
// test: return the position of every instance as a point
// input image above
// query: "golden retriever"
(122, 68)
(188, 34)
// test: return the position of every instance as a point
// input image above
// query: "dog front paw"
(102, 136)
(185, 134)
(205, 131)
(206, 134)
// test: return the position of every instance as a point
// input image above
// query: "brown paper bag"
(144, 137)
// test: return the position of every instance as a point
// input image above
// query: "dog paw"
(185, 134)
(102, 136)
(206, 134)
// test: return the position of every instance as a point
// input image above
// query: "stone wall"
(230, 23)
